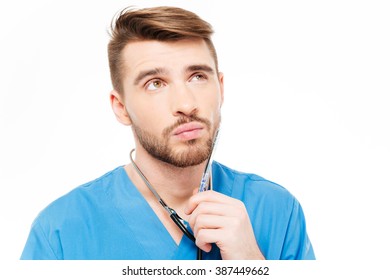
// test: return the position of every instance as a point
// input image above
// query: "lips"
(188, 131)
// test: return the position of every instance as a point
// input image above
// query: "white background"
(306, 105)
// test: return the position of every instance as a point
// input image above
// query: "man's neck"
(174, 184)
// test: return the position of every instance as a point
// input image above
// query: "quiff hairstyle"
(166, 24)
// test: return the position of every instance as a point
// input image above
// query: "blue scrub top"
(109, 219)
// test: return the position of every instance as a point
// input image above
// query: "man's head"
(166, 83)
(164, 24)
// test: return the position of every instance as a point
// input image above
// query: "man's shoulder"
(244, 182)
(84, 196)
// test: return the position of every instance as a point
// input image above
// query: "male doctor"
(167, 87)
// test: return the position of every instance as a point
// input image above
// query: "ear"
(119, 108)
(221, 85)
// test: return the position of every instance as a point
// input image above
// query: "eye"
(154, 85)
(198, 77)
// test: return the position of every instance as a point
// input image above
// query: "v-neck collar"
(145, 226)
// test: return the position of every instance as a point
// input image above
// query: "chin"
(191, 153)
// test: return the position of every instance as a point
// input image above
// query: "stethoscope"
(205, 184)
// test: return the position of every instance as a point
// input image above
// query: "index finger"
(207, 196)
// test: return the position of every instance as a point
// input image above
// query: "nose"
(183, 100)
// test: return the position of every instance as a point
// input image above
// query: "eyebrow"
(200, 67)
(143, 74)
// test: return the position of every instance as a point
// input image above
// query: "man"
(168, 88)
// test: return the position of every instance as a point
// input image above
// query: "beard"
(195, 151)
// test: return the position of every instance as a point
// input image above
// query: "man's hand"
(217, 218)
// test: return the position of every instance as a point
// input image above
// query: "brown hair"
(157, 23)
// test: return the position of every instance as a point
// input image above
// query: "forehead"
(143, 55)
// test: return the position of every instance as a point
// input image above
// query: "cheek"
(213, 106)
(217, 98)
(147, 117)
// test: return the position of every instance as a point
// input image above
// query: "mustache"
(184, 119)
